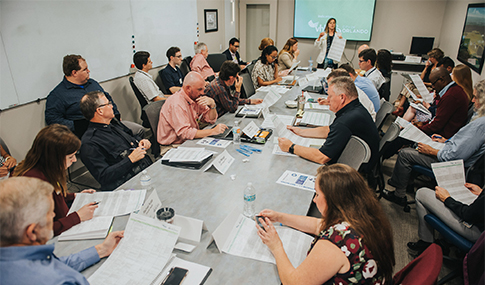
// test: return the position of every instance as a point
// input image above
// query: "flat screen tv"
(421, 45)
(472, 45)
(354, 18)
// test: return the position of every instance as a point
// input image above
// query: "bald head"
(194, 84)
(362, 47)
(439, 78)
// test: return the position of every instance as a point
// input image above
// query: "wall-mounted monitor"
(472, 45)
(421, 45)
(354, 18)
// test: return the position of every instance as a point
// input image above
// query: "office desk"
(210, 196)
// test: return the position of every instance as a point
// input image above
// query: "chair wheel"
(407, 209)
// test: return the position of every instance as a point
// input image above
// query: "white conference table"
(211, 196)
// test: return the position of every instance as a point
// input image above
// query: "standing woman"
(353, 242)
(53, 151)
(265, 71)
(288, 55)
(324, 42)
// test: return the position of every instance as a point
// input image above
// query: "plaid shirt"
(225, 101)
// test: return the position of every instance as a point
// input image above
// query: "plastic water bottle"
(249, 200)
(310, 64)
(236, 133)
(146, 180)
(301, 101)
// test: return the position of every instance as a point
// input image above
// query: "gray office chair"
(384, 111)
(216, 60)
(152, 112)
(247, 86)
(185, 65)
(391, 134)
(355, 153)
(250, 68)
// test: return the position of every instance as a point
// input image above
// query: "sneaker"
(418, 246)
(391, 197)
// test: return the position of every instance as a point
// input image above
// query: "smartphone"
(175, 276)
(259, 223)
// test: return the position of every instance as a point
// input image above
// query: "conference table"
(211, 196)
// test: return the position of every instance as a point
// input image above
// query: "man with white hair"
(26, 220)
(199, 63)
(351, 118)
(183, 111)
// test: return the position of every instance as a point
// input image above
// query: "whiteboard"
(36, 35)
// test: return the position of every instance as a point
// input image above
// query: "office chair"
(185, 65)
(391, 134)
(152, 112)
(423, 270)
(247, 86)
(216, 60)
(160, 84)
(141, 99)
(355, 153)
(384, 111)
(385, 90)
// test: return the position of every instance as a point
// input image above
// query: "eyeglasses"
(102, 105)
(433, 83)
(179, 56)
(274, 57)
(236, 46)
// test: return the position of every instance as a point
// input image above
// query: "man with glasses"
(172, 76)
(367, 59)
(232, 54)
(110, 151)
(62, 105)
(144, 81)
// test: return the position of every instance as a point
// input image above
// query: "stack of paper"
(451, 176)
(315, 119)
(187, 154)
(113, 203)
(95, 228)
(414, 134)
(316, 106)
(141, 255)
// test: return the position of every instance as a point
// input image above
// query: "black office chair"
(160, 84)
(152, 112)
(247, 86)
(385, 90)
(143, 102)
(185, 65)
(216, 60)
(384, 111)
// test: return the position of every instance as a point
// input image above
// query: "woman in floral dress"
(353, 243)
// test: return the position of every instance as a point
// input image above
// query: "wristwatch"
(292, 149)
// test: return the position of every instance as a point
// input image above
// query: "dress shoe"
(418, 246)
(391, 196)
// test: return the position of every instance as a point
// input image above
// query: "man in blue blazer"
(232, 54)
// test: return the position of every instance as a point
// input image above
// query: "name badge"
(180, 80)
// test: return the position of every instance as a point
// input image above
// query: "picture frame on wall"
(472, 45)
(211, 20)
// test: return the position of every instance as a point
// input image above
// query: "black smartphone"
(259, 223)
(175, 276)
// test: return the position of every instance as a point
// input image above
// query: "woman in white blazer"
(324, 42)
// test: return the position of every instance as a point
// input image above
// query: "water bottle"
(301, 102)
(236, 133)
(249, 200)
(146, 180)
(310, 64)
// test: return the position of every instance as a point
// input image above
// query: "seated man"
(108, 148)
(144, 81)
(219, 89)
(172, 77)
(351, 118)
(26, 220)
(232, 54)
(199, 63)
(62, 105)
(448, 63)
(367, 59)
(366, 85)
(467, 144)
(182, 112)
(363, 99)
(452, 107)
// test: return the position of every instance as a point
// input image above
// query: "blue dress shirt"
(37, 264)
(370, 90)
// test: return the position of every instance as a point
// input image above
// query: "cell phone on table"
(175, 276)
(259, 223)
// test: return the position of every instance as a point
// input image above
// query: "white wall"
(396, 21)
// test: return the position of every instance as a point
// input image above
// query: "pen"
(96, 202)
(246, 150)
(250, 148)
(438, 137)
(241, 152)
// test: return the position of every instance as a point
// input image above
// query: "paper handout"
(423, 91)
(251, 129)
(220, 143)
(95, 228)
(221, 162)
(412, 133)
(337, 49)
(151, 206)
(113, 203)
(451, 176)
(297, 180)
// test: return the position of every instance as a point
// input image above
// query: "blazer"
(228, 55)
(322, 44)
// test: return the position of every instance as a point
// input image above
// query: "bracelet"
(7, 158)
(212, 108)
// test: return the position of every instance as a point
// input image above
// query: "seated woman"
(353, 242)
(53, 151)
(465, 144)
(264, 43)
(288, 55)
(265, 71)
(435, 55)
(453, 213)
(7, 162)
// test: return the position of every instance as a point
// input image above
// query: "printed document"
(214, 142)
(269, 100)
(316, 106)
(337, 49)
(141, 255)
(297, 180)
(423, 91)
(251, 129)
(277, 150)
(151, 205)
(315, 119)
(187, 154)
(285, 119)
(282, 131)
(451, 176)
(221, 162)
(240, 238)
(412, 133)
(95, 228)
(113, 203)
